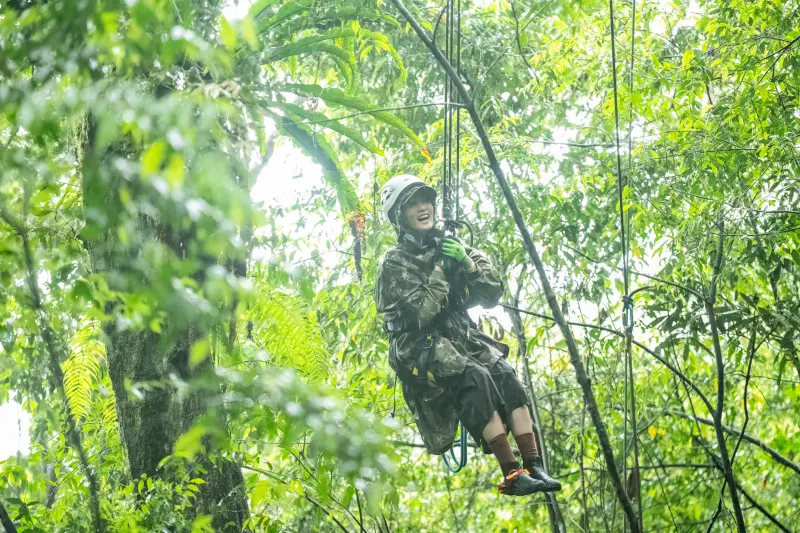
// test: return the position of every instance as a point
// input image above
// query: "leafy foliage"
(133, 134)
(289, 332)
(82, 370)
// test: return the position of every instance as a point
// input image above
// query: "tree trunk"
(149, 427)
(151, 421)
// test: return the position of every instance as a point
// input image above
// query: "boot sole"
(533, 490)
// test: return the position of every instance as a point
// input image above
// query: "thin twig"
(620, 334)
(762, 510)
(519, 41)
(751, 356)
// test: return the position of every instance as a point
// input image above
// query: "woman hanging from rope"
(448, 369)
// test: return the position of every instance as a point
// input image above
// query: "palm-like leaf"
(334, 29)
(298, 113)
(317, 147)
(337, 98)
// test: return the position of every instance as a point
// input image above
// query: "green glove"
(455, 250)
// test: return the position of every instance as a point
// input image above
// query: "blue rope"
(454, 464)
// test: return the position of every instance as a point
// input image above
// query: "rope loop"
(456, 464)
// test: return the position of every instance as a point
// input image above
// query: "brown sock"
(502, 450)
(528, 449)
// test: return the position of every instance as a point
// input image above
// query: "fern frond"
(382, 42)
(289, 333)
(108, 413)
(82, 369)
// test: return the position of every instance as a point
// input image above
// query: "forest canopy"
(191, 231)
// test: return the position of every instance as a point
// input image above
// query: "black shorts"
(481, 390)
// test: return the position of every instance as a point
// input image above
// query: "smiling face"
(419, 212)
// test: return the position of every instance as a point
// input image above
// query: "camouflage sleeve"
(484, 284)
(405, 293)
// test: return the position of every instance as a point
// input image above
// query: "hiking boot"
(550, 484)
(519, 483)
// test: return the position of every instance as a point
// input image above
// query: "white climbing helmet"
(394, 189)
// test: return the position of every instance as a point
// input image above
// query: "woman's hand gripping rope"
(454, 250)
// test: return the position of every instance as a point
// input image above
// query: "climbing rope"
(451, 162)
(451, 167)
(455, 464)
(627, 301)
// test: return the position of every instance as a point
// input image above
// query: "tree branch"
(557, 524)
(326, 512)
(727, 469)
(621, 335)
(670, 283)
(751, 356)
(276, 477)
(762, 510)
(519, 41)
(6, 520)
(772, 452)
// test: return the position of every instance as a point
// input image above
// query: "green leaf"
(175, 170)
(296, 49)
(290, 334)
(203, 524)
(318, 148)
(259, 7)
(227, 34)
(323, 120)
(686, 60)
(286, 11)
(348, 495)
(249, 33)
(153, 157)
(82, 369)
(198, 353)
(42, 201)
(259, 494)
(337, 97)
(190, 443)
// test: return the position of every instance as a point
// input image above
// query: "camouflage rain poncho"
(410, 292)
